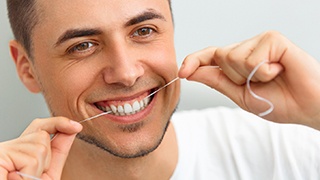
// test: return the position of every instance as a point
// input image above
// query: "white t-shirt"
(227, 144)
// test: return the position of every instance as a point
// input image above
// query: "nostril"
(126, 75)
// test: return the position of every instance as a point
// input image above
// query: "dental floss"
(108, 112)
(96, 116)
(162, 87)
(248, 86)
(27, 176)
(268, 111)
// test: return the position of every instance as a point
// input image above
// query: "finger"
(36, 165)
(228, 63)
(234, 59)
(54, 125)
(27, 176)
(267, 50)
(13, 175)
(267, 72)
(203, 57)
(30, 153)
(239, 61)
(26, 165)
(60, 149)
(216, 79)
(3, 173)
(195, 60)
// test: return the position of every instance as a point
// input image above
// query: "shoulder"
(225, 141)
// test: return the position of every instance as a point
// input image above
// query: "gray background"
(199, 23)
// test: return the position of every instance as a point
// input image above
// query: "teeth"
(146, 100)
(108, 109)
(120, 110)
(114, 108)
(127, 108)
(141, 104)
(136, 106)
(103, 108)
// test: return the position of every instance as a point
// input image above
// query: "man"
(87, 57)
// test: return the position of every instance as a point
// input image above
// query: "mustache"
(118, 89)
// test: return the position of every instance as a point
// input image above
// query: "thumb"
(3, 173)
(216, 79)
(60, 147)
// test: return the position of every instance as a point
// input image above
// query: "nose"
(124, 67)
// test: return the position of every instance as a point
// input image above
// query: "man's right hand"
(34, 153)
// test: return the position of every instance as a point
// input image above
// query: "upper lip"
(125, 97)
(122, 100)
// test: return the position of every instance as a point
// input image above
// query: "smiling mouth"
(126, 108)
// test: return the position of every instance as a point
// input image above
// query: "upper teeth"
(127, 108)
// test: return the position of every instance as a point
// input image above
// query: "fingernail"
(182, 66)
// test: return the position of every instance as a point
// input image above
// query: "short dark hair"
(24, 16)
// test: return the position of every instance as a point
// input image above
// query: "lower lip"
(134, 118)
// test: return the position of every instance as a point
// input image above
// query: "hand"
(290, 79)
(34, 153)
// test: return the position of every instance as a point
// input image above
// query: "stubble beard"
(127, 129)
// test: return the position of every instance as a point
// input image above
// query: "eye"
(143, 32)
(82, 47)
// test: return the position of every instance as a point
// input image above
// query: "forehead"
(106, 11)
(108, 15)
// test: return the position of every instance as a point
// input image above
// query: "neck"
(88, 162)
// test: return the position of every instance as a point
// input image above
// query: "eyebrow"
(144, 16)
(75, 33)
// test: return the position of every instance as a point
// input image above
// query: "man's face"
(90, 56)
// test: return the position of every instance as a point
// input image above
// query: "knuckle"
(189, 57)
(250, 64)
(210, 49)
(41, 138)
(232, 57)
(33, 162)
(36, 121)
(43, 135)
(265, 76)
(272, 35)
(240, 81)
(219, 55)
(42, 150)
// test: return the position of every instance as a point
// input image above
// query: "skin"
(119, 67)
(117, 62)
(290, 78)
(34, 153)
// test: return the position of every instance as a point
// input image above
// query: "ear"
(24, 66)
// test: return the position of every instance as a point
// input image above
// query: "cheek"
(163, 61)
(77, 79)
(67, 83)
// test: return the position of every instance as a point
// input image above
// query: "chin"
(133, 143)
